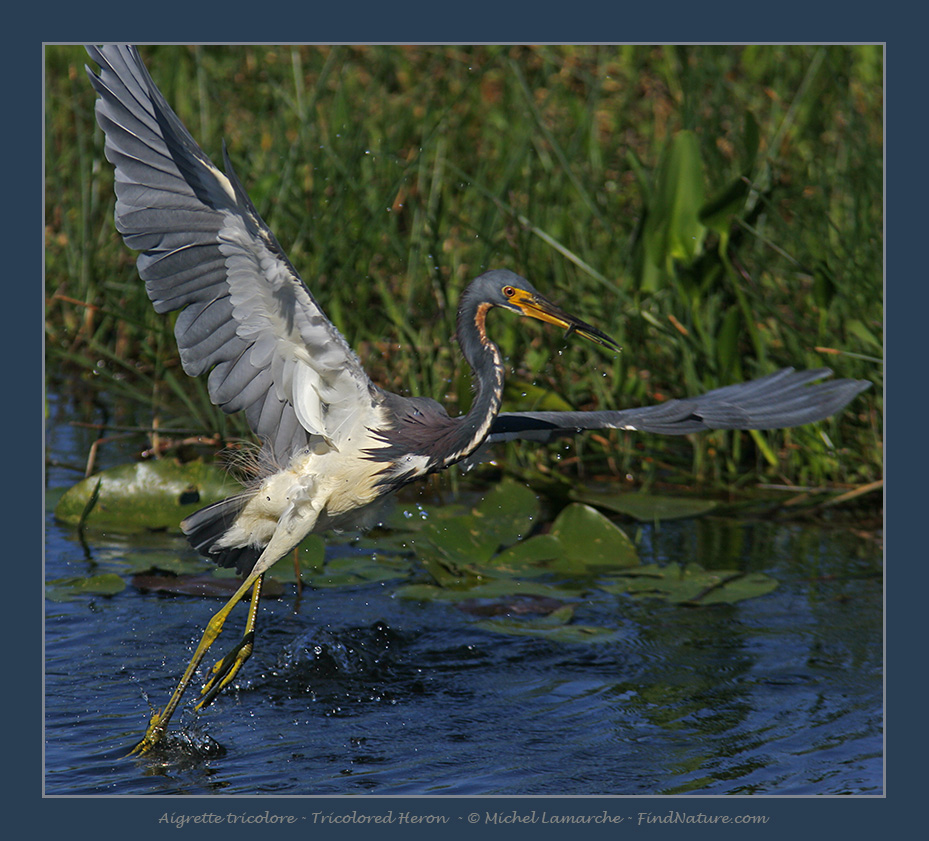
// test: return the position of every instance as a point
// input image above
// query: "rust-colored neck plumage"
(487, 371)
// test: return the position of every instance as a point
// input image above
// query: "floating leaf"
(589, 538)
(649, 507)
(461, 541)
(67, 589)
(521, 605)
(554, 627)
(493, 589)
(146, 495)
(360, 569)
(528, 557)
(691, 584)
(177, 560)
(311, 555)
(410, 516)
(507, 512)
(204, 584)
(741, 586)
(502, 517)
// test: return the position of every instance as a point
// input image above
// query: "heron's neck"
(487, 370)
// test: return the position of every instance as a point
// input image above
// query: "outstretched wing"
(246, 316)
(785, 398)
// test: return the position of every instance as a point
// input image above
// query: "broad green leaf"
(154, 494)
(690, 584)
(741, 586)
(221, 584)
(717, 213)
(492, 589)
(590, 538)
(502, 517)
(68, 589)
(673, 230)
(179, 560)
(413, 516)
(462, 541)
(507, 512)
(555, 627)
(363, 569)
(528, 557)
(648, 508)
(311, 555)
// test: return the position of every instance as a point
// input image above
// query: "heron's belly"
(315, 493)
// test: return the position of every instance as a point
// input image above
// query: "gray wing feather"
(785, 398)
(246, 317)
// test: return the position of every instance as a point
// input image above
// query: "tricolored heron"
(334, 444)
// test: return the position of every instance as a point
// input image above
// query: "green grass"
(393, 175)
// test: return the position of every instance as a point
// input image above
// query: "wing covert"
(246, 318)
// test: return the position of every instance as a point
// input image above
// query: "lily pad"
(77, 587)
(311, 555)
(529, 557)
(589, 538)
(521, 605)
(556, 627)
(690, 584)
(204, 584)
(493, 589)
(146, 495)
(412, 516)
(503, 516)
(361, 569)
(649, 508)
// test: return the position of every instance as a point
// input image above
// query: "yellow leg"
(226, 669)
(159, 720)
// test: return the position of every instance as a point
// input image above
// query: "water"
(354, 691)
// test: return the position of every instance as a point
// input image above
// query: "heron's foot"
(224, 671)
(153, 735)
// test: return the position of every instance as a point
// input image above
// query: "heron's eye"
(509, 291)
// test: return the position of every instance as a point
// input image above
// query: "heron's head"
(507, 290)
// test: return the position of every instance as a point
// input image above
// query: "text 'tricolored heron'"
(334, 444)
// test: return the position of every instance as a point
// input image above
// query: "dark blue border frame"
(564, 23)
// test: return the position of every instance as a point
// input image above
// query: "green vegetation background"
(718, 210)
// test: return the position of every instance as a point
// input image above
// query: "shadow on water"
(353, 690)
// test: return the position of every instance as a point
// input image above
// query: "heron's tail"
(205, 527)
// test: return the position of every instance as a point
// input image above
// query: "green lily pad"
(179, 561)
(555, 627)
(649, 507)
(492, 589)
(362, 569)
(412, 516)
(504, 515)
(529, 557)
(589, 538)
(521, 605)
(77, 587)
(203, 584)
(154, 494)
(311, 555)
(690, 584)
